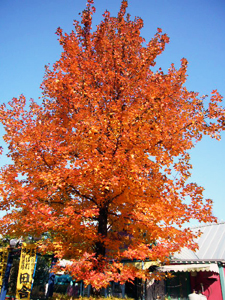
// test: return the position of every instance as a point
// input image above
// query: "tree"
(102, 165)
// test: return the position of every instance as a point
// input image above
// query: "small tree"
(94, 165)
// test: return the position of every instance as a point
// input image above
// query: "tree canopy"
(102, 165)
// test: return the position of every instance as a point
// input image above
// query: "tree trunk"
(102, 231)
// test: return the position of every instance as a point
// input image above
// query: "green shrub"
(57, 296)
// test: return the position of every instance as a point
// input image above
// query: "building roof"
(211, 244)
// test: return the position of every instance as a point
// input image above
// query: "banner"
(6, 276)
(3, 263)
(26, 270)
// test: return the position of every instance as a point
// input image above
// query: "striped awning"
(189, 268)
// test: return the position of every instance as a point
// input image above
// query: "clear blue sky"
(197, 32)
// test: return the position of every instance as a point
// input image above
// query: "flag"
(26, 270)
(4, 252)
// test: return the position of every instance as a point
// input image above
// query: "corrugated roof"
(186, 254)
(211, 244)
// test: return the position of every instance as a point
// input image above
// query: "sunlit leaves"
(103, 163)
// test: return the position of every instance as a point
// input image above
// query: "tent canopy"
(190, 268)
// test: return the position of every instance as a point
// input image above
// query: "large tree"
(102, 165)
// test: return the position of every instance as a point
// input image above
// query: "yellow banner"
(4, 252)
(143, 265)
(26, 270)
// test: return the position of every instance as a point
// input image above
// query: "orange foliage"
(93, 165)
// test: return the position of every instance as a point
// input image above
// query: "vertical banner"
(3, 263)
(6, 277)
(26, 270)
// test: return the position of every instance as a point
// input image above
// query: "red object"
(210, 282)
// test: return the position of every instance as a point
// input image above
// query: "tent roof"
(211, 244)
(190, 268)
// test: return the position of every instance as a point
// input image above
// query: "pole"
(222, 279)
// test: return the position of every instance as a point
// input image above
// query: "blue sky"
(196, 30)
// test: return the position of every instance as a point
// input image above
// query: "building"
(202, 270)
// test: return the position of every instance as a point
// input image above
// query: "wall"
(209, 281)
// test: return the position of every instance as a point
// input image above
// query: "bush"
(57, 296)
